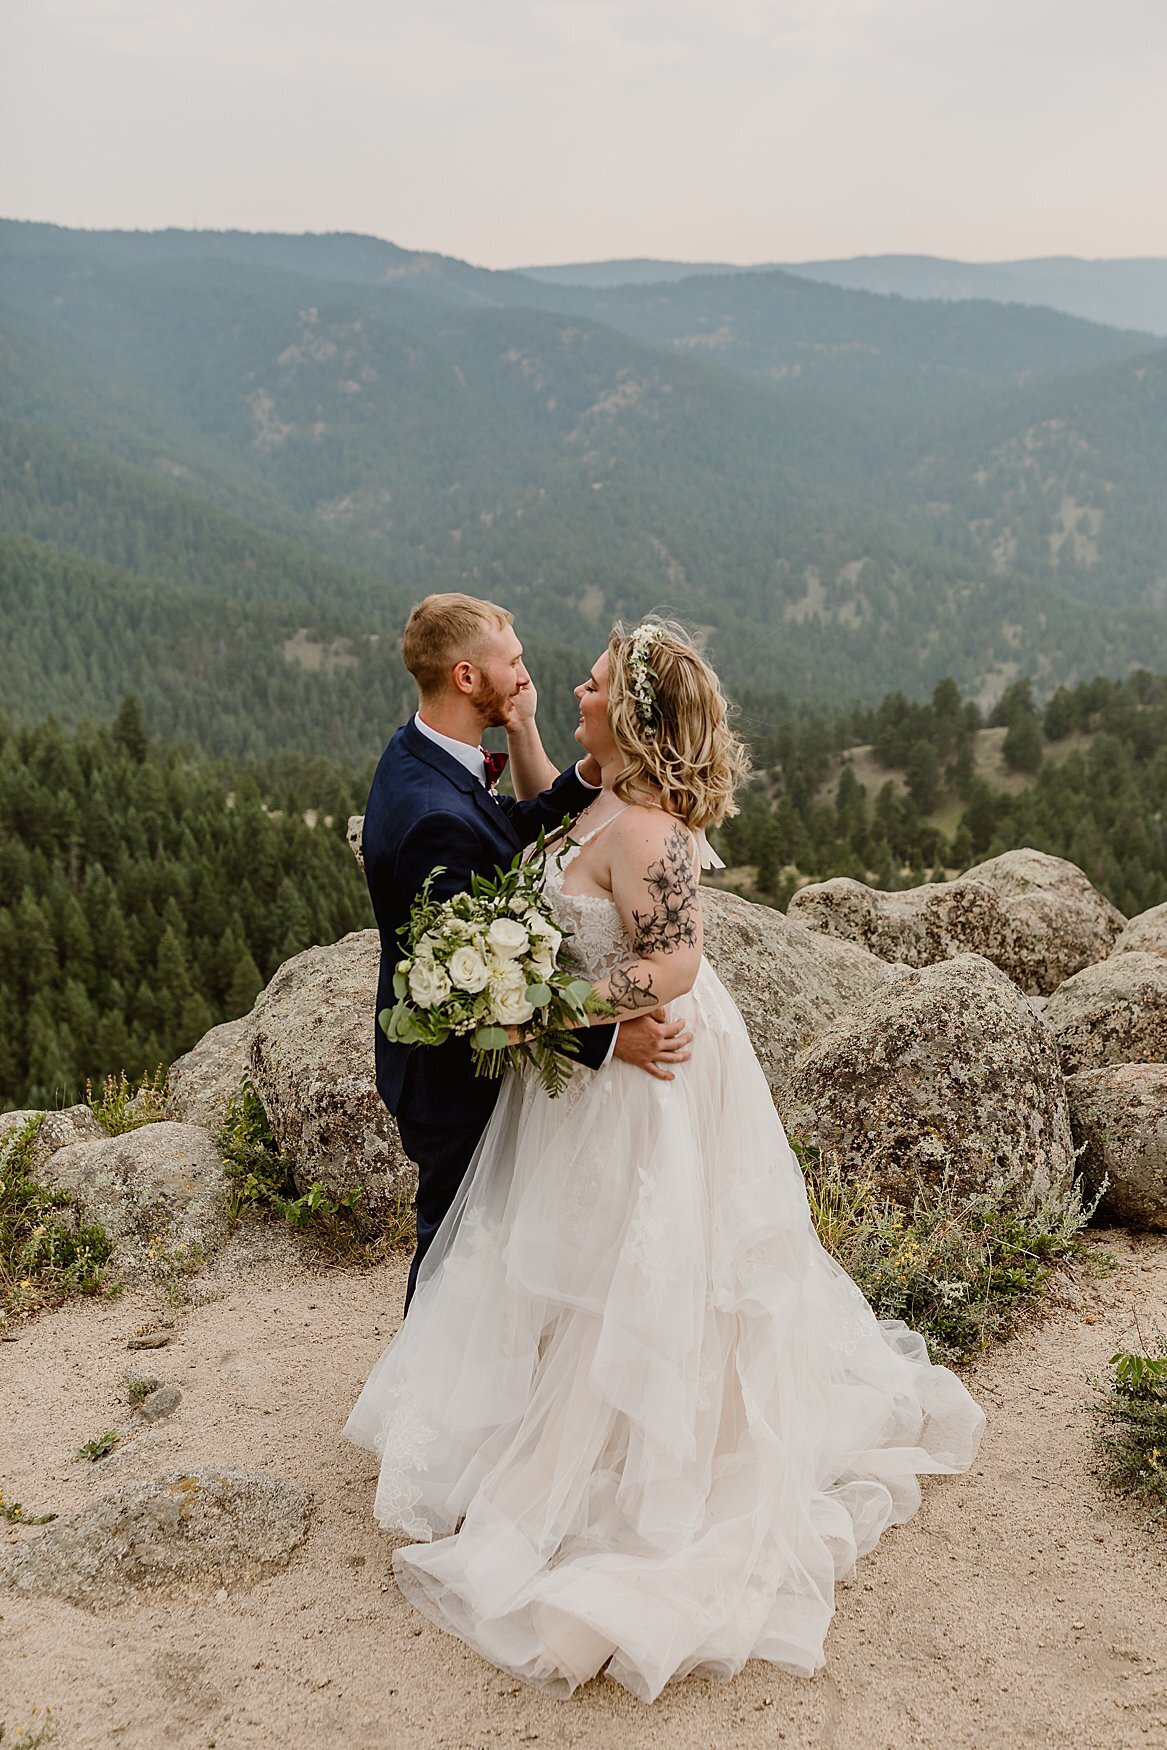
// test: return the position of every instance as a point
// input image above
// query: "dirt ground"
(1021, 1606)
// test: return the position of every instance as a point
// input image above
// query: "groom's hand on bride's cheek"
(523, 706)
(652, 1043)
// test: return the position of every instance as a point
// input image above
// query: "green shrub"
(46, 1255)
(1132, 1423)
(111, 1104)
(260, 1180)
(958, 1269)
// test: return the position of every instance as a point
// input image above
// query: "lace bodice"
(592, 925)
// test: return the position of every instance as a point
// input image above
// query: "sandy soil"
(1021, 1606)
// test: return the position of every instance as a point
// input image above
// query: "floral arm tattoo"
(672, 921)
(669, 924)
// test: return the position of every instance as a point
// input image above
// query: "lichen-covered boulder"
(158, 1187)
(916, 926)
(55, 1131)
(788, 981)
(311, 1061)
(947, 1073)
(1060, 922)
(155, 1537)
(1114, 1012)
(1036, 917)
(205, 1079)
(1145, 934)
(1119, 1115)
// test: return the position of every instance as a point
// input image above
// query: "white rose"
(508, 1000)
(468, 969)
(542, 965)
(507, 939)
(548, 937)
(428, 984)
(425, 947)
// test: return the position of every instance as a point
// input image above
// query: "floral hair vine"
(642, 676)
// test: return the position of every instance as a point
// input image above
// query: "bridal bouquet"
(487, 960)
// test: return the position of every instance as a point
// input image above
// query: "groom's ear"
(462, 675)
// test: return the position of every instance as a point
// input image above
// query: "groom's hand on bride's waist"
(654, 1044)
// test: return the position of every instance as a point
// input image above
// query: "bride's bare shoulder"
(647, 833)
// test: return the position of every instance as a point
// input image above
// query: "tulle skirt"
(638, 1419)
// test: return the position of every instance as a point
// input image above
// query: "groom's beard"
(491, 703)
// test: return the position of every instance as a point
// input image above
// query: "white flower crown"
(642, 675)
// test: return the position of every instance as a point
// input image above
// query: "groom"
(432, 804)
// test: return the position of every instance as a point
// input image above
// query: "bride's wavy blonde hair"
(670, 720)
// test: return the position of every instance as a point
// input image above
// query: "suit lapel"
(436, 757)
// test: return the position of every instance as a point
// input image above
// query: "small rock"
(149, 1340)
(158, 1535)
(160, 1403)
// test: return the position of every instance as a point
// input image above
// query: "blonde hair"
(670, 720)
(443, 630)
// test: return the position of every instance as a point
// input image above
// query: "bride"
(637, 1418)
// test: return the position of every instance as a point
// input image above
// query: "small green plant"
(138, 1389)
(119, 1105)
(260, 1180)
(100, 1447)
(960, 1269)
(1131, 1408)
(46, 1255)
(15, 1514)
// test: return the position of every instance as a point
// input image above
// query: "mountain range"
(279, 441)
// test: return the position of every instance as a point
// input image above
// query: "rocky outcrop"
(945, 1074)
(311, 1062)
(1119, 1115)
(1115, 1012)
(154, 1537)
(161, 1185)
(1036, 917)
(1145, 934)
(788, 981)
(203, 1081)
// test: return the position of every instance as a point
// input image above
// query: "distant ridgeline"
(230, 462)
(890, 794)
(148, 892)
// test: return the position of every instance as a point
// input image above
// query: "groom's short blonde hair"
(443, 630)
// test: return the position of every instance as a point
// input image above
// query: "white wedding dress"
(641, 1419)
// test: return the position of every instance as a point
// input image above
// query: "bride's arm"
(655, 887)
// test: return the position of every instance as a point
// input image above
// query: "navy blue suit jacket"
(426, 810)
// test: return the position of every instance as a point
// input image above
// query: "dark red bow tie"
(496, 765)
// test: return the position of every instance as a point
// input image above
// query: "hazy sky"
(522, 131)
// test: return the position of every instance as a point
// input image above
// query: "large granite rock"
(1119, 1115)
(1145, 934)
(1036, 917)
(789, 982)
(311, 1062)
(947, 1073)
(154, 1537)
(1114, 1012)
(203, 1081)
(159, 1186)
